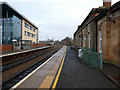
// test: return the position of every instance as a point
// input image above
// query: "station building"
(100, 31)
(85, 35)
(16, 27)
(108, 33)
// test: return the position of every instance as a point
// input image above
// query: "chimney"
(106, 3)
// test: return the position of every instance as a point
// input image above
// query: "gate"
(92, 58)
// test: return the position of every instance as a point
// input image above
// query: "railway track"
(18, 62)
(12, 79)
(15, 57)
(14, 67)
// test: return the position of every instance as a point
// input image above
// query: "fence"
(38, 45)
(4, 48)
(92, 58)
(10, 47)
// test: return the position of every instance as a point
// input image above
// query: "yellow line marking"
(57, 77)
(15, 86)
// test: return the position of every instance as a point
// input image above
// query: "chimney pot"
(106, 3)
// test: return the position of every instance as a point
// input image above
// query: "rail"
(12, 80)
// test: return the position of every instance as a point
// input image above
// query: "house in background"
(67, 41)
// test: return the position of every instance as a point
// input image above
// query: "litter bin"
(80, 53)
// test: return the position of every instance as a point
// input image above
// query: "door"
(100, 41)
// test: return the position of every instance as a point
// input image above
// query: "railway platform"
(75, 74)
(20, 52)
(44, 75)
(64, 70)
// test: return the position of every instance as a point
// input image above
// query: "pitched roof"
(113, 8)
(93, 11)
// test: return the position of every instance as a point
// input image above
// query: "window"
(28, 34)
(32, 35)
(25, 33)
(84, 41)
(30, 28)
(26, 25)
(34, 29)
(89, 39)
(100, 40)
(11, 29)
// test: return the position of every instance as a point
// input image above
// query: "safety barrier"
(92, 58)
(10, 47)
(4, 48)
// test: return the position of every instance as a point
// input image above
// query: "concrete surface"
(77, 75)
(42, 74)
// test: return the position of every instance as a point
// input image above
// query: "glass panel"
(16, 28)
(0, 30)
(25, 33)
(34, 29)
(30, 28)
(11, 29)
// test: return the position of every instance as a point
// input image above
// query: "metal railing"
(92, 58)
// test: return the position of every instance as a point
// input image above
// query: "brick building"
(85, 36)
(108, 33)
(101, 31)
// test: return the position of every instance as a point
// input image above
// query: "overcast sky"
(56, 19)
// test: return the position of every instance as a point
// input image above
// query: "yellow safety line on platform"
(15, 86)
(57, 77)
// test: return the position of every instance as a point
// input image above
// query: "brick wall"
(37, 45)
(77, 40)
(114, 51)
(106, 4)
(83, 31)
(110, 40)
(93, 34)
(4, 48)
